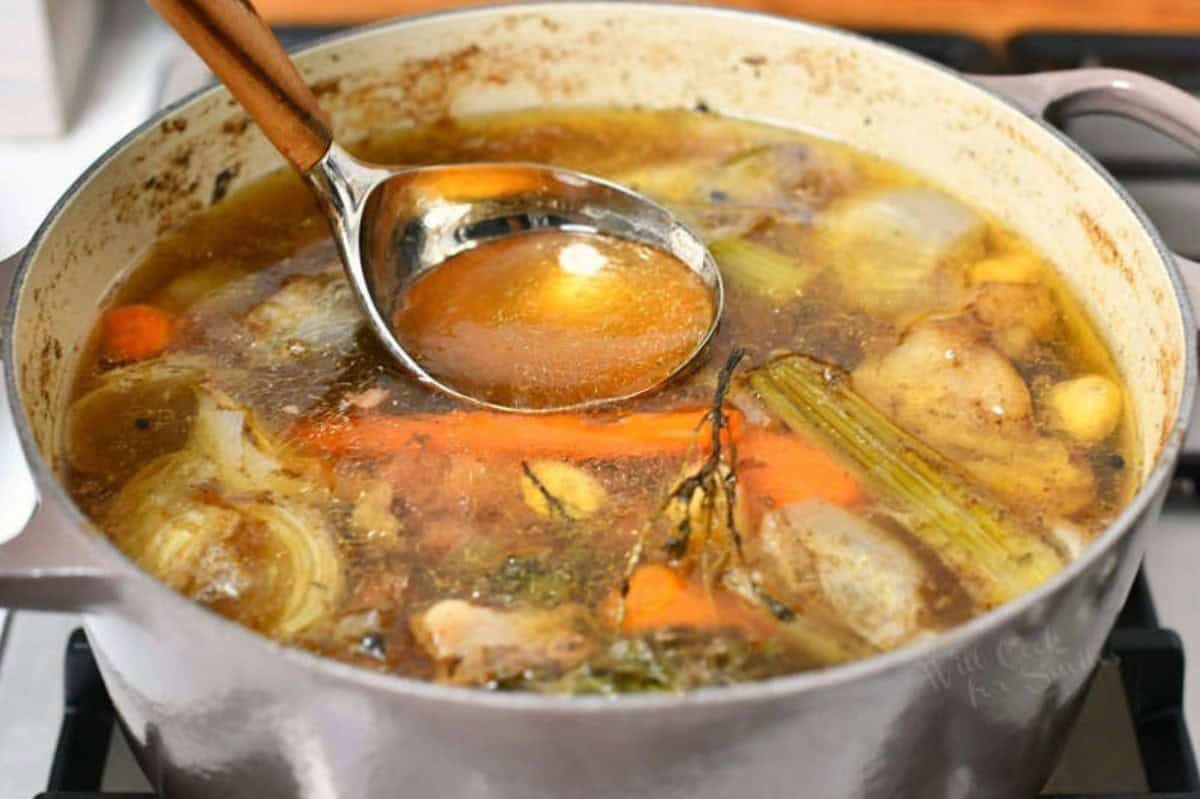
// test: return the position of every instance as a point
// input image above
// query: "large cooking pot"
(215, 710)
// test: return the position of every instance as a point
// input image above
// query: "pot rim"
(930, 650)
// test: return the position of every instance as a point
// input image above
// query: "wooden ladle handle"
(239, 47)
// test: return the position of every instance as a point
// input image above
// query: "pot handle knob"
(1060, 95)
(42, 565)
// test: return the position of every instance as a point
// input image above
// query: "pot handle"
(41, 566)
(1060, 95)
(241, 50)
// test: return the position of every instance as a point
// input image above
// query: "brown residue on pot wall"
(1168, 364)
(327, 86)
(426, 90)
(829, 70)
(47, 365)
(162, 194)
(419, 91)
(236, 126)
(1103, 245)
(222, 182)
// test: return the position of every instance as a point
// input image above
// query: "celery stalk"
(995, 554)
(761, 269)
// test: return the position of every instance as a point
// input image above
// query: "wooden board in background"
(990, 20)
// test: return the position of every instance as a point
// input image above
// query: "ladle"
(394, 224)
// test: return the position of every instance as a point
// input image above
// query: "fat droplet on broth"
(555, 318)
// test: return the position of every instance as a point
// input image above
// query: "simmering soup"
(903, 421)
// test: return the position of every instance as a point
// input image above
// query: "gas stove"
(1131, 737)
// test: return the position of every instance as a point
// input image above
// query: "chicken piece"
(668, 182)
(783, 181)
(869, 578)
(947, 386)
(1017, 314)
(677, 185)
(475, 645)
(311, 314)
(1037, 472)
(379, 588)
(788, 178)
(785, 564)
(431, 482)
(892, 250)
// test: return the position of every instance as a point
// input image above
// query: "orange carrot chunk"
(780, 468)
(784, 468)
(661, 597)
(134, 333)
(482, 433)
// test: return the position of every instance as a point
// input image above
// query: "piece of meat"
(1018, 315)
(785, 182)
(311, 315)
(788, 179)
(369, 398)
(946, 385)
(476, 645)
(870, 580)
(447, 498)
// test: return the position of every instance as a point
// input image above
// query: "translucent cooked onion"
(226, 522)
(133, 414)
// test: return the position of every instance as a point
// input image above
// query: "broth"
(554, 318)
(903, 421)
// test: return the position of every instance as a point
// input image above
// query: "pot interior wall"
(622, 55)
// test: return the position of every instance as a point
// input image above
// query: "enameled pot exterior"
(214, 710)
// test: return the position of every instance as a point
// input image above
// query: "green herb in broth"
(273, 464)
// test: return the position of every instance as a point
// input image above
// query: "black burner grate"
(1151, 662)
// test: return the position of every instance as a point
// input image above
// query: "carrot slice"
(785, 468)
(568, 436)
(781, 468)
(661, 597)
(134, 333)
